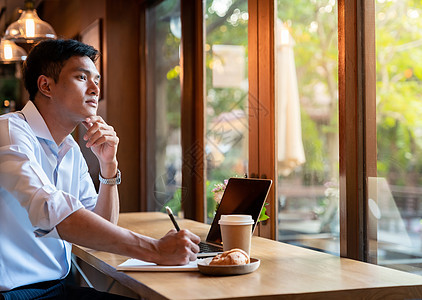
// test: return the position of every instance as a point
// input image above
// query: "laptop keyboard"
(206, 248)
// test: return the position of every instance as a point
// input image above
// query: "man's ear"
(44, 84)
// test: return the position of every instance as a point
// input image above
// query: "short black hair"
(48, 58)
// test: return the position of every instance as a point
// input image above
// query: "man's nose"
(94, 88)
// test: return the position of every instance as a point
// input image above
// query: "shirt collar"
(36, 121)
(38, 125)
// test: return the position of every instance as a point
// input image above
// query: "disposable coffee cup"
(236, 232)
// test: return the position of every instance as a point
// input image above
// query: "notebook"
(133, 264)
(244, 196)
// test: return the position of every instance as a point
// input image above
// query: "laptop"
(245, 196)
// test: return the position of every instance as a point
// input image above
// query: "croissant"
(231, 257)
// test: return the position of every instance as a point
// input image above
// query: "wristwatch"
(111, 181)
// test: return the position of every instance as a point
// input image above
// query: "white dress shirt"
(40, 185)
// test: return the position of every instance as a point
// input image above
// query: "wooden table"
(286, 272)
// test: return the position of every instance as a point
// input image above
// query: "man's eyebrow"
(97, 76)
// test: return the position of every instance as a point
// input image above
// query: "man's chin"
(85, 116)
(90, 113)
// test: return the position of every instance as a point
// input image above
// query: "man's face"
(75, 94)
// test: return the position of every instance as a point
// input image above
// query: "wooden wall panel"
(122, 91)
(69, 18)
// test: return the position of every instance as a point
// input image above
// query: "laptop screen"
(244, 196)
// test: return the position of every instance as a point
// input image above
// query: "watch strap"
(111, 181)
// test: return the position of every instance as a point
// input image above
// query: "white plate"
(205, 268)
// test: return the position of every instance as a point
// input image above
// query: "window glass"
(395, 210)
(306, 56)
(226, 53)
(163, 101)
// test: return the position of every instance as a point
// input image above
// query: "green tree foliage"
(399, 91)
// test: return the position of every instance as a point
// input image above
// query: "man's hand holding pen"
(177, 247)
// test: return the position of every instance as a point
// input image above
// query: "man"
(47, 198)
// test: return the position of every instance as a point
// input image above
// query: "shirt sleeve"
(87, 193)
(23, 177)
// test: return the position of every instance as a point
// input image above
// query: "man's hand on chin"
(103, 141)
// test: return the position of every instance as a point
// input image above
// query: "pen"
(170, 213)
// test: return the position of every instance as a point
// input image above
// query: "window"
(307, 123)
(163, 105)
(227, 128)
(395, 194)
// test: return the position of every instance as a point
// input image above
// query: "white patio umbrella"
(290, 146)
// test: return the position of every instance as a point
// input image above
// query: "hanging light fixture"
(29, 28)
(10, 52)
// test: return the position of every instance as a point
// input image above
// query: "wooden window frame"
(144, 179)
(262, 145)
(357, 117)
(192, 111)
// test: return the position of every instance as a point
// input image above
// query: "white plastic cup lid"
(236, 220)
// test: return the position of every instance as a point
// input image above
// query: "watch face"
(119, 177)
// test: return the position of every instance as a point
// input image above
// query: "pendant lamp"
(10, 52)
(29, 28)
